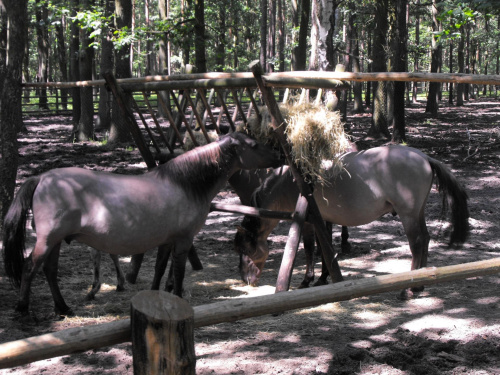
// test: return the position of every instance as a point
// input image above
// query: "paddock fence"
(20, 352)
(188, 94)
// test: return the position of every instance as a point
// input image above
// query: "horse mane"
(200, 168)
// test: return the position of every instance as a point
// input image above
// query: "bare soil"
(451, 328)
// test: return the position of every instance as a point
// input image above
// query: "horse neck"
(202, 172)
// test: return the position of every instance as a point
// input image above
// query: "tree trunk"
(73, 61)
(271, 36)
(281, 35)
(263, 33)
(10, 100)
(436, 53)
(357, 86)
(85, 128)
(461, 66)
(414, 97)
(323, 24)
(103, 120)
(450, 87)
(42, 33)
(300, 51)
(164, 58)
(379, 126)
(123, 19)
(199, 38)
(63, 59)
(220, 46)
(400, 64)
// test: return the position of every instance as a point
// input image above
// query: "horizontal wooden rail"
(79, 339)
(288, 79)
(251, 211)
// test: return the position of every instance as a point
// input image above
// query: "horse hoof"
(120, 288)
(304, 285)
(418, 289)
(90, 297)
(405, 295)
(131, 278)
(63, 312)
(346, 248)
(321, 282)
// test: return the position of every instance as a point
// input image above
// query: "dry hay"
(200, 139)
(315, 134)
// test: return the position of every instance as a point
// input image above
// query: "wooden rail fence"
(20, 352)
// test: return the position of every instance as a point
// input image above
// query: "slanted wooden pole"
(279, 125)
(130, 122)
(292, 245)
(162, 334)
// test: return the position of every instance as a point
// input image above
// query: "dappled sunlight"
(391, 266)
(370, 319)
(251, 291)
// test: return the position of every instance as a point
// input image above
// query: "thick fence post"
(162, 334)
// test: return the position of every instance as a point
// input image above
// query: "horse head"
(253, 254)
(251, 154)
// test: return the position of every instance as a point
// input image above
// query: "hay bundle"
(315, 134)
(200, 139)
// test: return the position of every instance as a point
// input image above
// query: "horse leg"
(120, 277)
(160, 265)
(323, 279)
(194, 260)
(169, 284)
(50, 267)
(179, 261)
(134, 267)
(308, 239)
(344, 244)
(418, 239)
(96, 283)
(30, 269)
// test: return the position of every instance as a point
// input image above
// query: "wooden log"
(292, 245)
(162, 334)
(20, 352)
(251, 211)
(130, 120)
(283, 79)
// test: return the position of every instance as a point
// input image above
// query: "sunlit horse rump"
(122, 214)
(390, 179)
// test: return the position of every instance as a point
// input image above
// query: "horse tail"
(15, 230)
(454, 196)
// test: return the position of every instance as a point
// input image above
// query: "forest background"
(75, 40)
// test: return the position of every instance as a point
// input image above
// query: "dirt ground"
(451, 328)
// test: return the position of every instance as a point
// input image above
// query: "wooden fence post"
(162, 327)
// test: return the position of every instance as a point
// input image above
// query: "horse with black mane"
(388, 179)
(122, 214)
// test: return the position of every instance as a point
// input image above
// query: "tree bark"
(199, 37)
(461, 66)
(271, 36)
(436, 53)
(63, 59)
(85, 128)
(323, 24)
(299, 56)
(42, 33)
(123, 19)
(263, 33)
(10, 100)
(400, 65)
(379, 126)
(103, 120)
(74, 61)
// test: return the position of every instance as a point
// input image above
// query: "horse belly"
(351, 201)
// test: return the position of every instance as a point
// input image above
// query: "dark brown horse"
(121, 214)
